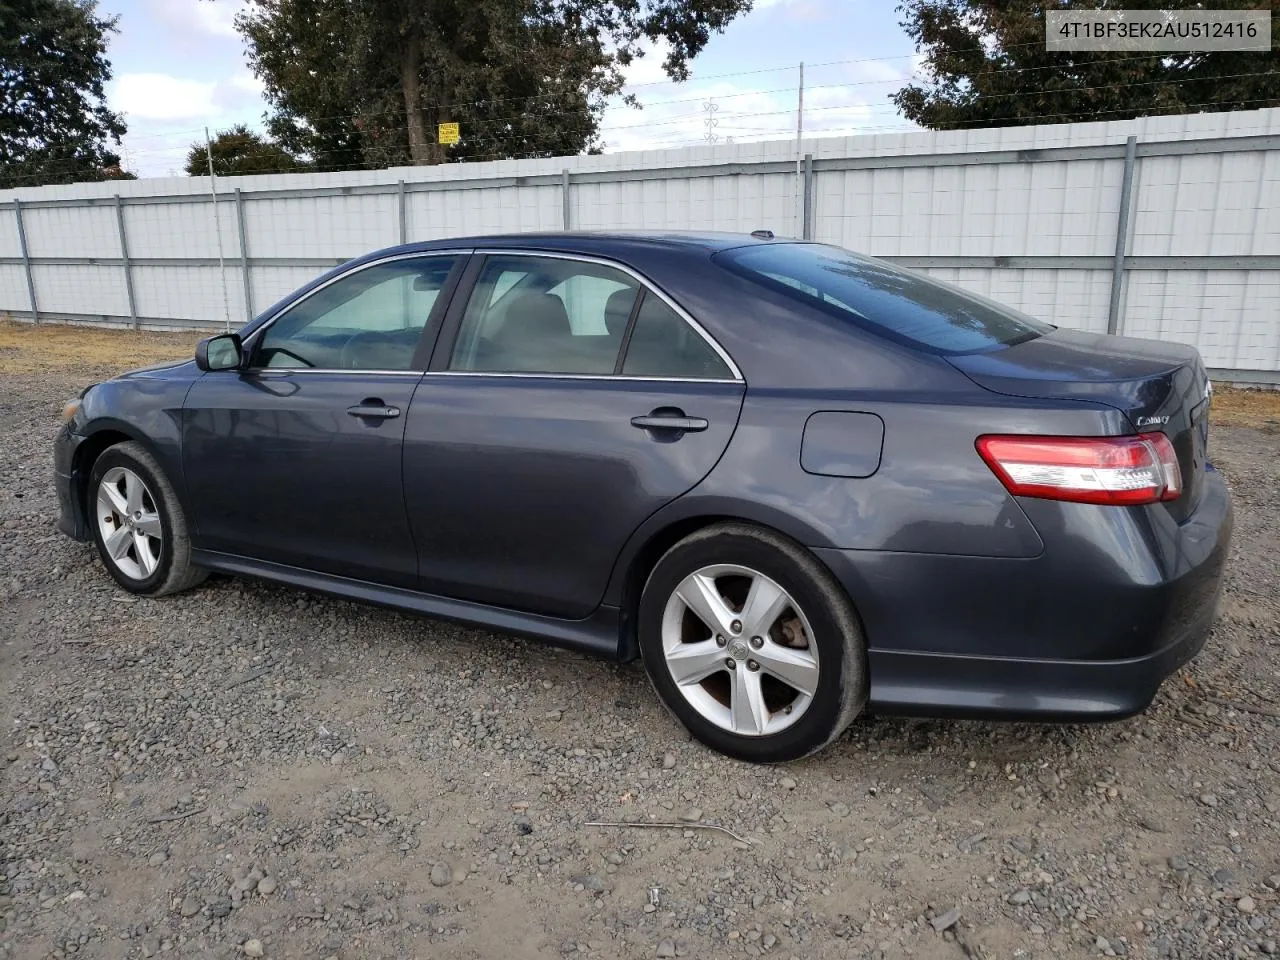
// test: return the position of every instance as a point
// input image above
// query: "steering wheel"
(349, 359)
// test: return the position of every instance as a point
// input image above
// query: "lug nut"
(720, 641)
(731, 663)
(752, 665)
(736, 626)
(757, 643)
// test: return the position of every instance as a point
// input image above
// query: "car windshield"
(901, 304)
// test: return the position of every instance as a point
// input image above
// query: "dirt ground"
(246, 770)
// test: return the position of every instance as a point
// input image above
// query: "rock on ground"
(205, 727)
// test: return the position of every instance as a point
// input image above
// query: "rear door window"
(550, 315)
(903, 305)
(662, 345)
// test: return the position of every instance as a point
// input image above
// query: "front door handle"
(683, 424)
(373, 410)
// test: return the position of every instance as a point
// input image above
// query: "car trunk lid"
(1158, 386)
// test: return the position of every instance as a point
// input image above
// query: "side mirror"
(222, 352)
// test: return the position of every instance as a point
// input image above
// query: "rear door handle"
(683, 424)
(373, 411)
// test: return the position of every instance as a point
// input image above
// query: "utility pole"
(799, 191)
(217, 228)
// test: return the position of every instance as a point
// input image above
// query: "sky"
(179, 66)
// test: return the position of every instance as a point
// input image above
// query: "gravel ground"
(245, 770)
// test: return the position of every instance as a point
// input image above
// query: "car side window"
(371, 319)
(530, 314)
(664, 345)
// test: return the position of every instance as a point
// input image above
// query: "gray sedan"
(798, 482)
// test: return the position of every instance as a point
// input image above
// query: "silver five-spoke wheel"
(129, 522)
(740, 650)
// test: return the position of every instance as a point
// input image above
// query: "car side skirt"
(597, 634)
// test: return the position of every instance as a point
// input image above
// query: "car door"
(295, 459)
(566, 402)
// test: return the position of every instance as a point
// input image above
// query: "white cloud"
(799, 10)
(240, 91)
(217, 17)
(246, 82)
(159, 96)
(166, 114)
(212, 18)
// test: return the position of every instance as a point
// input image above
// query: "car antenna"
(762, 234)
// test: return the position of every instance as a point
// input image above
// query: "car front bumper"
(1121, 598)
(71, 516)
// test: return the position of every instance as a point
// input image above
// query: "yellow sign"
(449, 134)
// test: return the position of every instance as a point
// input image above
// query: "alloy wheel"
(740, 650)
(129, 523)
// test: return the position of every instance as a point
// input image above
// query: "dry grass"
(1246, 408)
(60, 348)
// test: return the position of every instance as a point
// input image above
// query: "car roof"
(588, 242)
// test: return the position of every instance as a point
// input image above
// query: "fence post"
(244, 257)
(128, 267)
(807, 232)
(564, 199)
(404, 221)
(26, 260)
(1122, 235)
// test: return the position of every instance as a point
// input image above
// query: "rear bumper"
(948, 685)
(1120, 599)
(71, 518)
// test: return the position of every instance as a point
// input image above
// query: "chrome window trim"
(421, 254)
(642, 280)
(646, 284)
(290, 371)
(615, 377)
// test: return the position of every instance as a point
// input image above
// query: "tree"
(985, 64)
(239, 152)
(365, 82)
(55, 126)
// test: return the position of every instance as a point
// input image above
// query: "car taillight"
(1115, 470)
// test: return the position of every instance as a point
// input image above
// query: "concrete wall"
(1027, 215)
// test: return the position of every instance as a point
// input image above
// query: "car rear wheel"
(752, 644)
(139, 527)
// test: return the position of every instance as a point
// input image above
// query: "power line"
(827, 63)
(862, 107)
(766, 92)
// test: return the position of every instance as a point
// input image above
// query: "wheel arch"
(102, 436)
(668, 527)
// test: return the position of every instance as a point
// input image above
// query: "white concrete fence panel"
(1163, 227)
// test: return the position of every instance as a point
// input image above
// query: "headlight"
(71, 407)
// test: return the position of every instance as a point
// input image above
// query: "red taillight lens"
(1114, 470)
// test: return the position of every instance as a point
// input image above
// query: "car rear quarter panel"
(931, 493)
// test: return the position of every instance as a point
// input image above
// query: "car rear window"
(901, 304)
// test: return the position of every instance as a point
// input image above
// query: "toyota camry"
(797, 483)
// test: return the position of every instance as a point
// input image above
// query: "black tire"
(173, 571)
(841, 691)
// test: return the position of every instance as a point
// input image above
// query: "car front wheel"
(752, 644)
(138, 524)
